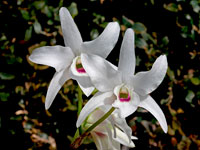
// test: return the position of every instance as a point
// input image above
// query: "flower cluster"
(118, 87)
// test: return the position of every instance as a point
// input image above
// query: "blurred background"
(170, 27)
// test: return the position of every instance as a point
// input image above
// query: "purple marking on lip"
(125, 99)
(81, 70)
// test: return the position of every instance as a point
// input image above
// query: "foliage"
(161, 27)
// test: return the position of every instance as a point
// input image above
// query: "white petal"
(103, 45)
(149, 104)
(129, 107)
(55, 56)
(86, 86)
(121, 123)
(123, 138)
(71, 34)
(99, 141)
(56, 83)
(125, 108)
(83, 79)
(97, 100)
(103, 142)
(102, 74)
(113, 143)
(127, 59)
(95, 115)
(146, 82)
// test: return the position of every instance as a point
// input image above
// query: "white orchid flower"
(103, 134)
(119, 87)
(67, 60)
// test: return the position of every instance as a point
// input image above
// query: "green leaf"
(2, 87)
(50, 22)
(37, 27)
(94, 33)
(72, 107)
(25, 14)
(28, 33)
(171, 7)
(39, 4)
(165, 40)
(6, 76)
(141, 43)
(171, 74)
(195, 81)
(127, 22)
(4, 96)
(139, 27)
(195, 5)
(47, 11)
(19, 2)
(190, 96)
(73, 9)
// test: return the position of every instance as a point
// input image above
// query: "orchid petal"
(56, 83)
(82, 78)
(149, 104)
(127, 59)
(102, 74)
(55, 56)
(115, 145)
(84, 81)
(121, 123)
(103, 142)
(86, 87)
(125, 108)
(103, 45)
(99, 142)
(146, 82)
(123, 139)
(97, 100)
(71, 34)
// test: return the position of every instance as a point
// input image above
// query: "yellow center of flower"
(79, 66)
(124, 95)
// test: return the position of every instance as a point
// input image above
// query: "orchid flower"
(67, 60)
(119, 87)
(103, 134)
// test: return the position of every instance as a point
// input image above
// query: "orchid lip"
(125, 99)
(79, 66)
(81, 70)
(124, 95)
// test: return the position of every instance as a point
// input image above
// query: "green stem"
(80, 100)
(80, 139)
(80, 105)
(75, 135)
(100, 120)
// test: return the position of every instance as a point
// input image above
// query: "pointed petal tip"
(163, 57)
(165, 129)
(115, 23)
(130, 30)
(62, 9)
(30, 57)
(47, 106)
(33, 59)
(77, 124)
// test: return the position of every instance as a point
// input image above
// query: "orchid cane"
(119, 87)
(67, 61)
